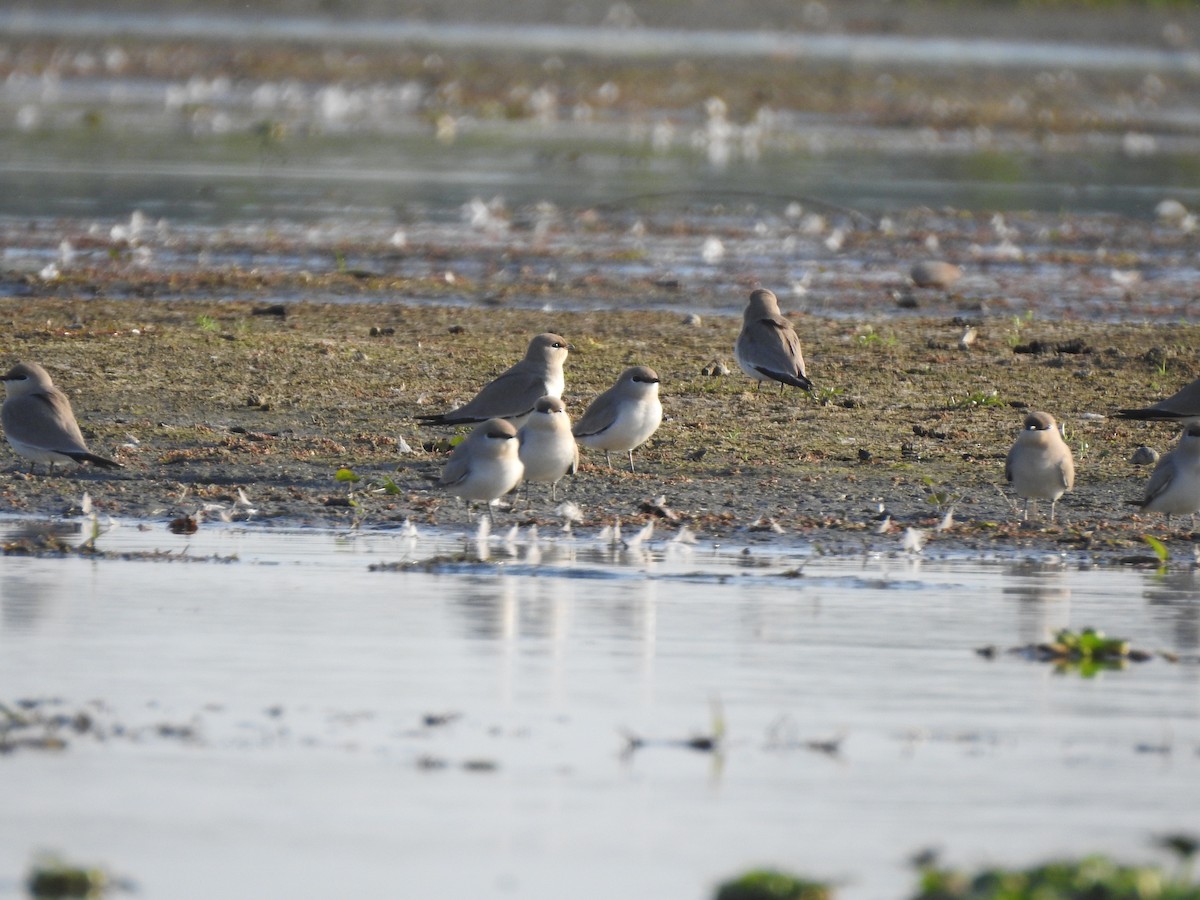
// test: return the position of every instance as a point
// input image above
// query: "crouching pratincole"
(768, 349)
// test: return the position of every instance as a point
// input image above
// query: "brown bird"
(1040, 465)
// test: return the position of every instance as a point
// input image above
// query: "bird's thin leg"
(554, 492)
(781, 387)
(491, 515)
(631, 469)
(608, 459)
(1053, 505)
(1025, 511)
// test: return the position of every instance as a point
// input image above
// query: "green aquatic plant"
(206, 322)
(941, 496)
(1091, 644)
(1159, 548)
(1091, 878)
(51, 876)
(1088, 651)
(769, 884)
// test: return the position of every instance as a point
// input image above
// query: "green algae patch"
(1090, 878)
(769, 884)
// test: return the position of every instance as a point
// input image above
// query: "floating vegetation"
(1093, 877)
(768, 884)
(1090, 878)
(52, 876)
(1088, 652)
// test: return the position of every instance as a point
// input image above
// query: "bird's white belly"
(631, 428)
(489, 479)
(546, 456)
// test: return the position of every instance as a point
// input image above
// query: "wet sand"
(201, 398)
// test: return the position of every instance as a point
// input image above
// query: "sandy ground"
(202, 398)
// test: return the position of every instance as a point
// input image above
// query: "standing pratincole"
(485, 466)
(1174, 486)
(767, 348)
(547, 447)
(1040, 465)
(513, 394)
(38, 421)
(624, 416)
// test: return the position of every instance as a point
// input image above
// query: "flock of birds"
(523, 432)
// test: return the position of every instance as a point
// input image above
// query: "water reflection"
(1175, 598)
(1043, 600)
(488, 605)
(25, 598)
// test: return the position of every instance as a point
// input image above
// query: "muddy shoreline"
(202, 398)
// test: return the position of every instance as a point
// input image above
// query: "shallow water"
(304, 677)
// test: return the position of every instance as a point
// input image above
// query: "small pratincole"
(1182, 406)
(547, 447)
(485, 466)
(767, 348)
(1040, 465)
(512, 394)
(38, 421)
(624, 416)
(1174, 486)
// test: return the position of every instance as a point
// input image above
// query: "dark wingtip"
(102, 461)
(799, 381)
(1146, 415)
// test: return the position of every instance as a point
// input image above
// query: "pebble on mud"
(934, 274)
(1144, 456)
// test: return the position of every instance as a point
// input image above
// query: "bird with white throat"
(623, 417)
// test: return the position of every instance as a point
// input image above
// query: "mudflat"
(908, 425)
